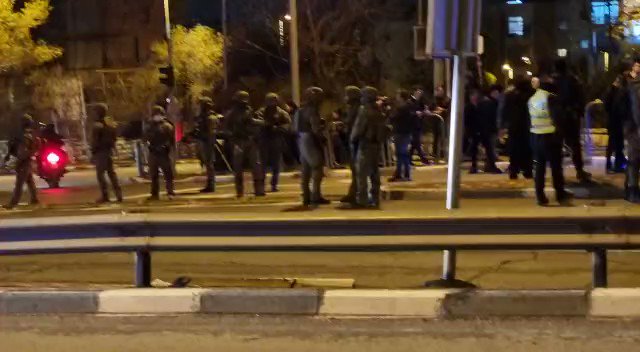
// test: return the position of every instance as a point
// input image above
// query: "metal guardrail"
(143, 234)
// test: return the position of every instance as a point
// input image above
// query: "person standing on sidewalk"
(308, 125)
(402, 120)
(205, 133)
(632, 136)
(480, 117)
(103, 142)
(419, 110)
(571, 100)
(547, 144)
(513, 116)
(277, 123)
(352, 97)
(241, 128)
(160, 138)
(618, 106)
(369, 133)
(24, 150)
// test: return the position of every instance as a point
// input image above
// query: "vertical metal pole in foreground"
(456, 129)
(143, 268)
(293, 44)
(225, 44)
(449, 265)
(599, 264)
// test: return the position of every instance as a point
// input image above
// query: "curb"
(427, 304)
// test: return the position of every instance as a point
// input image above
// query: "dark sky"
(206, 12)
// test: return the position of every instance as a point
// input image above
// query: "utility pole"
(225, 44)
(294, 60)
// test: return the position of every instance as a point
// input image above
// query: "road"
(266, 334)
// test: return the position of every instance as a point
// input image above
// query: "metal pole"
(449, 265)
(456, 130)
(225, 43)
(295, 60)
(143, 268)
(599, 263)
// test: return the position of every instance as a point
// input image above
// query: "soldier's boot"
(258, 188)
(118, 191)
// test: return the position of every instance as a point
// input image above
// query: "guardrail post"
(599, 264)
(449, 265)
(143, 268)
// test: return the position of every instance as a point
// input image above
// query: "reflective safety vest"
(541, 121)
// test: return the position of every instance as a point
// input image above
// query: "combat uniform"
(241, 128)
(352, 100)
(160, 136)
(24, 150)
(205, 134)
(276, 124)
(102, 144)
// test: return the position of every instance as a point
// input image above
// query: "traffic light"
(167, 76)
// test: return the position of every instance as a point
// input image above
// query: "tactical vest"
(541, 121)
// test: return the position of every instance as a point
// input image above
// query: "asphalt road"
(267, 334)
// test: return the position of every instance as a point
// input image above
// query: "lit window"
(516, 26)
(584, 44)
(562, 52)
(514, 2)
(605, 12)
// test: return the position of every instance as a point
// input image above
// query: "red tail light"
(53, 158)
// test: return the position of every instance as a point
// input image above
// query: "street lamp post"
(294, 59)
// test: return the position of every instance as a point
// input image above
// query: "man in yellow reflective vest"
(546, 143)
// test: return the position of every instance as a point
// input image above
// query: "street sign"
(453, 27)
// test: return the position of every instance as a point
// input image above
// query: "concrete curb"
(428, 304)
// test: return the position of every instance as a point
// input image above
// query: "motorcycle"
(52, 162)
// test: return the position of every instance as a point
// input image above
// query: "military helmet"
(241, 96)
(101, 110)
(157, 110)
(369, 94)
(352, 92)
(272, 99)
(26, 121)
(313, 94)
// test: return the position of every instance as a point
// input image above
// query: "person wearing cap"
(272, 137)
(241, 129)
(103, 142)
(205, 133)
(352, 97)
(369, 133)
(160, 139)
(24, 150)
(308, 125)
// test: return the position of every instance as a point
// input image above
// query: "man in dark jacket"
(480, 117)
(241, 129)
(514, 117)
(103, 142)
(352, 97)
(160, 138)
(277, 123)
(618, 107)
(369, 133)
(308, 125)
(632, 136)
(402, 121)
(24, 149)
(570, 95)
(418, 107)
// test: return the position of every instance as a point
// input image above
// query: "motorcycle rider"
(160, 138)
(352, 97)
(308, 125)
(24, 149)
(103, 142)
(272, 136)
(241, 128)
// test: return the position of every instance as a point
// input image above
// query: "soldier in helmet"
(352, 101)
(241, 129)
(103, 142)
(205, 133)
(369, 133)
(308, 125)
(24, 148)
(271, 140)
(160, 138)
